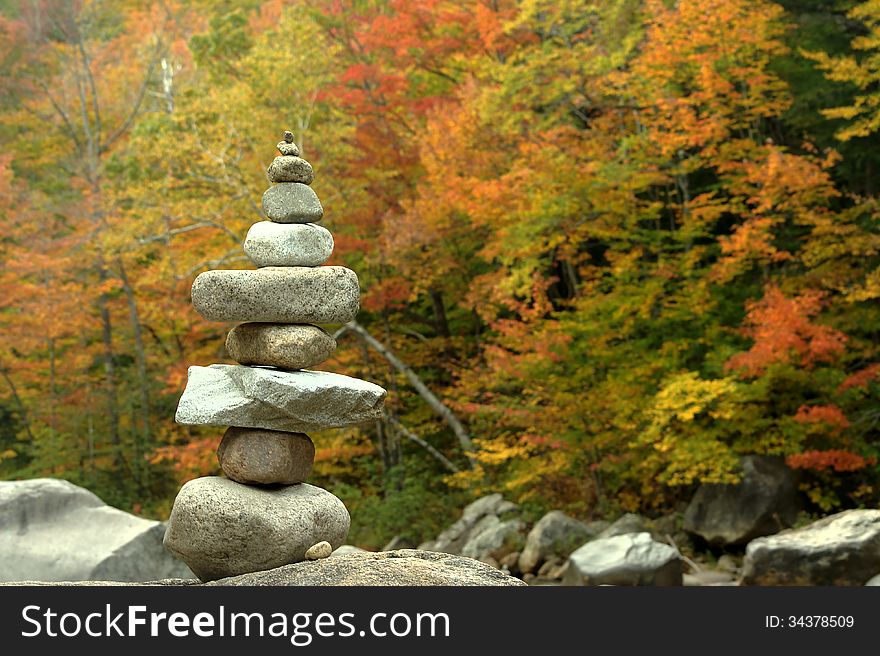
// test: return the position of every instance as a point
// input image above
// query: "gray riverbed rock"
(279, 345)
(764, 502)
(263, 457)
(292, 202)
(841, 549)
(288, 244)
(327, 294)
(554, 535)
(630, 559)
(221, 528)
(475, 517)
(52, 530)
(290, 401)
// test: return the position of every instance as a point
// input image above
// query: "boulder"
(346, 549)
(326, 294)
(399, 542)
(255, 456)
(221, 528)
(279, 345)
(628, 523)
(554, 535)
(292, 202)
(630, 559)
(873, 581)
(53, 530)
(291, 401)
(842, 549)
(764, 502)
(406, 567)
(289, 168)
(288, 244)
(454, 538)
(495, 539)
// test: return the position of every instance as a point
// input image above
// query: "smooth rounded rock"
(265, 457)
(288, 168)
(292, 202)
(279, 345)
(288, 244)
(327, 294)
(319, 551)
(222, 528)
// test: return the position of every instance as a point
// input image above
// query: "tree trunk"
(142, 445)
(111, 384)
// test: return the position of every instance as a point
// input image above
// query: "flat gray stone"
(476, 517)
(263, 457)
(841, 549)
(406, 567)
(53, 530)
(221, 528)
(292, 202)
(327, 294)
(287, 168)
(286, 346)
(292, 401)
(630, 559)
(288, 244)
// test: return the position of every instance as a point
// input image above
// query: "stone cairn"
(263, 515)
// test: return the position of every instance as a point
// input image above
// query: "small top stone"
(288, 147)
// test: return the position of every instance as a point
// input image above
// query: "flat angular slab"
(287, 168)
(286, 346)
(292, 401)
(254, 456)
(292, 202)
(288, 244)
(327, 294)
(222, 528)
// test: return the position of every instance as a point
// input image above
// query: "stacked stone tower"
(263, 514)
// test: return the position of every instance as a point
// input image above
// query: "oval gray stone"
(287, 168)
(222, 528)
(327, 294)
(286, 346)
(292, 401)
(265, 457)
(288, 244)
(292, 202)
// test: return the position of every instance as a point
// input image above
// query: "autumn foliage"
(624, 241)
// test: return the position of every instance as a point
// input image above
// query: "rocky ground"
(729, 535)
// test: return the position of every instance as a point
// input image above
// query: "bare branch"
(142, 92)
(429, 397)
(408, 434)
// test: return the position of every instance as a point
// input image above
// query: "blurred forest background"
(622, 241)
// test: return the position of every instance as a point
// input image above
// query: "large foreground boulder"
(52, 530)
(554, 535)
(398, 568)
(630, 559)
(763, 503)
(842, 549)
(406, 567)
